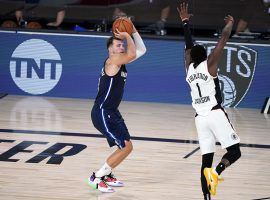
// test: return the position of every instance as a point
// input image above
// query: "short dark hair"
(110, 41)
(198, 54)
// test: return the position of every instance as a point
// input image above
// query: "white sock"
(104, 170)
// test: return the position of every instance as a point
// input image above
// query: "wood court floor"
(163, 134)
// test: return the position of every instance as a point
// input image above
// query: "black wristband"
(187, 35)
(185, 22)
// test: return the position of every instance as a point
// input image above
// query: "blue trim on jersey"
(107, 130)
(107, 93)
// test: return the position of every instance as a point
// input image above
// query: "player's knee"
(128, 147)
(235, 152)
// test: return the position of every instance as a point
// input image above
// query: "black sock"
(207, 196)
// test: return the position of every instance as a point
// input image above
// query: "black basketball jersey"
(111, 89)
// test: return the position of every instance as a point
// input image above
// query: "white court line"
(62, 34)
(56, 34)
(2, 31)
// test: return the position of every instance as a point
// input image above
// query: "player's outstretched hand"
(183, 11)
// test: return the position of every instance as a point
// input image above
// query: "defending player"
(211, 119)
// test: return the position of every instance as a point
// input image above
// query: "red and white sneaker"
(99, 183)
(112, 181)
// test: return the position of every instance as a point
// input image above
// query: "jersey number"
(199, 89)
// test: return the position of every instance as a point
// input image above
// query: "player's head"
(198, 54)
(115, 45)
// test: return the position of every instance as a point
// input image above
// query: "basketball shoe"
(99, 183)
(112, 181)
(211, 179)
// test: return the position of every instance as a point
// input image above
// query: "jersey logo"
(124, 74)
(102, 72)
(236, 71)
(234, 136)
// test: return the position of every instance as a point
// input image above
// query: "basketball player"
(105, 114)
(211, 119)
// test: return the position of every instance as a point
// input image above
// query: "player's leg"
(120, 154)
(96, 180)
(207, 160)
(125, 147)
(207, 145)
(228, 138)
(232, 155)
(114, 160)
(225, 134)
(105, 172)
(116, 132)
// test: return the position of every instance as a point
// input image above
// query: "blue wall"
(158, 76)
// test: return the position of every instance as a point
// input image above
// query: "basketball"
(123, 25)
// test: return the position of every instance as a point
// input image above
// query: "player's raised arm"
(185, 16)
(215, 56)
(139, 44)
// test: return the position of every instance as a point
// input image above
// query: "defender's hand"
(183, 11)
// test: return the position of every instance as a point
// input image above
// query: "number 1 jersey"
(205, 89)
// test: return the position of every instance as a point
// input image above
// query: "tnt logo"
(35, 66)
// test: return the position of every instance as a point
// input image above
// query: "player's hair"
(110, 41)
(198, 54)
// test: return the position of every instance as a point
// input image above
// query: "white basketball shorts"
(215, 127)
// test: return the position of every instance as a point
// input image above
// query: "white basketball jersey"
(205, 90)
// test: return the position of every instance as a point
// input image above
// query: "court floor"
(48, 147)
